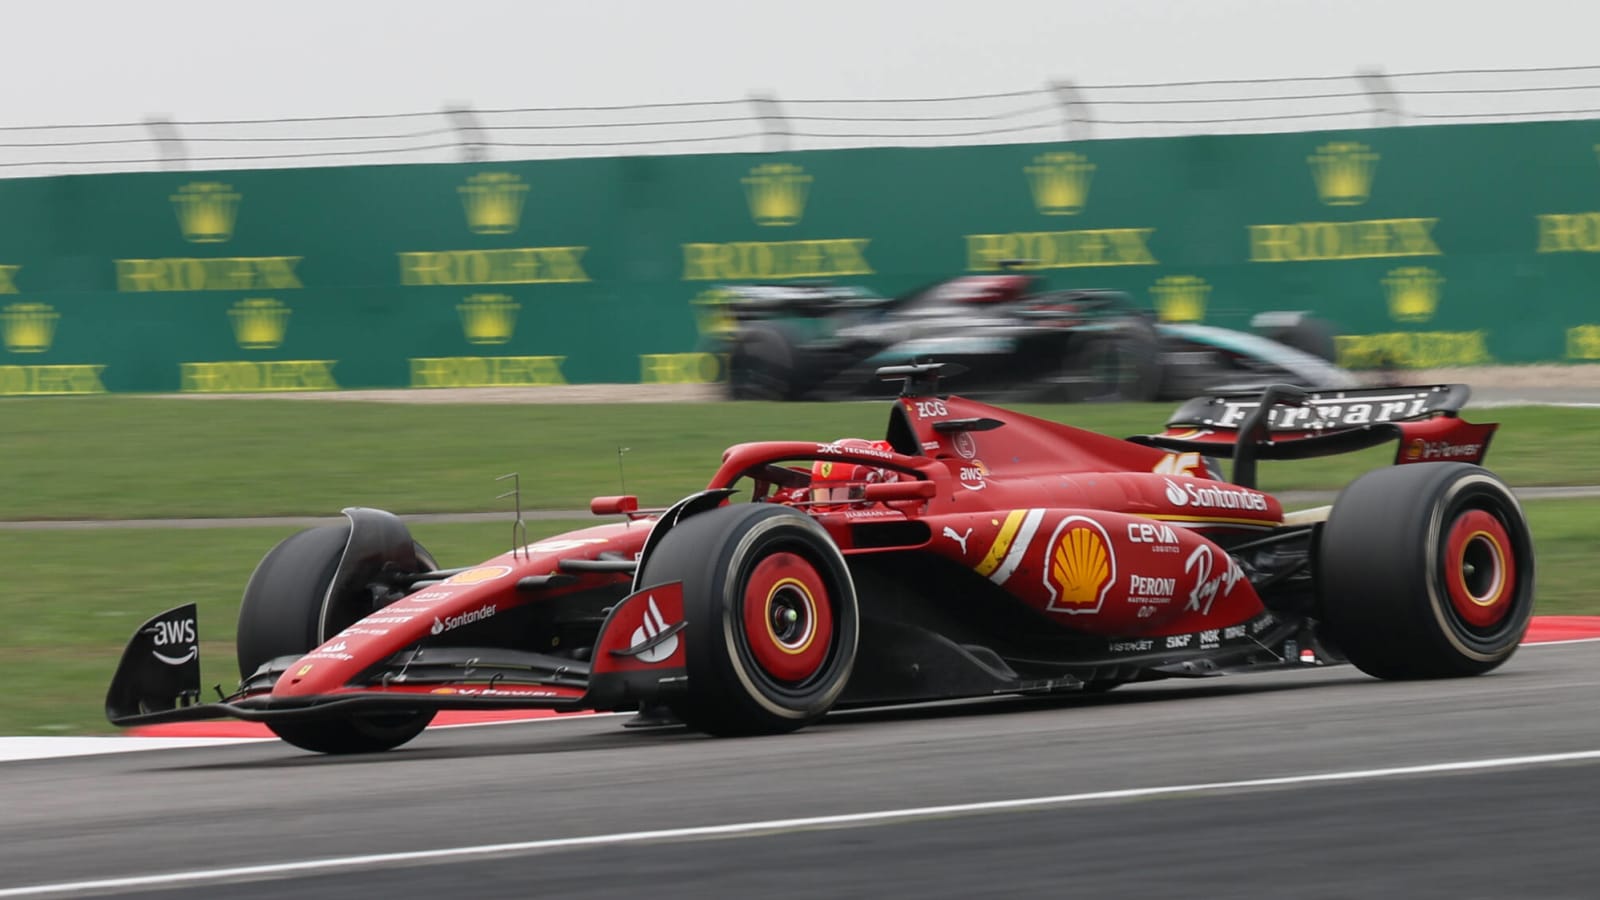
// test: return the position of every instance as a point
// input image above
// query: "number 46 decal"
(1180, 464)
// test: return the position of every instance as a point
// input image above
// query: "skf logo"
(488, 318)
(1081, 566)
(29, 327)
(1181, 298)
(1343, 172)
(1060, 183)
(1413, 293)
(259, 323)
(777, 193)
(493, 202)
(206, 211)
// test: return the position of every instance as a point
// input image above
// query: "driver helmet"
(840, 485)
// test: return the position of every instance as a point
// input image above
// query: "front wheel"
(772, 615)
(283, 613)
(1426, 571)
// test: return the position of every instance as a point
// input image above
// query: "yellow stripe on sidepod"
(1002, 543)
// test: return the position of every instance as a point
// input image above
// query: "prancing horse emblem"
(958, 538)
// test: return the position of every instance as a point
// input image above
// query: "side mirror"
(900, 490)
(614, 506)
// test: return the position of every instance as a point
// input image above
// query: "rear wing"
(1284, 422)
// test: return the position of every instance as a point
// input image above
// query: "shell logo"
(1415, 448)
(479, 575)
(1081, 566)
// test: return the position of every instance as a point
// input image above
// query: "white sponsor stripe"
(1030, 524)
(747, 828)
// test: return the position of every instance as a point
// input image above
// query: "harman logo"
(1081, 566)
(1060, 183)
(206, 211)
(493, 202)
(259, 323)
(1413, 293)
(777, 193)
(1181, 298)
(1343, 172)
(488, 318)
(29, 327)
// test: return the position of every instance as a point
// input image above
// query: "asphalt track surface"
(1143, 792)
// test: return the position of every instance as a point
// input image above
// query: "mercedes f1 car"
(971, 552)
(1019, 342)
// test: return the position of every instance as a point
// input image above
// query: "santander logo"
(1175, 494)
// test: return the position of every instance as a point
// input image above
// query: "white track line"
(267, 870)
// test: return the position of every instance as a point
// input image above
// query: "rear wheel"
(761, 364)
(1112, 366)
(772, 613)
(1426, 571)
(282, 615)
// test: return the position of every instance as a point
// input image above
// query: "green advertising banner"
(1427, 246)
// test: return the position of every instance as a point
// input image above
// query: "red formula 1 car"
(973, 551)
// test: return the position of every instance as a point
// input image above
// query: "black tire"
(761, 364)
(791, 672)
(1121, 365)
(1426, 571)
(1313, 336)
(281, 614)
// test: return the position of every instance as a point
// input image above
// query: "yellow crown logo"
(29, 327)
(1181, 298)
(259, 323)
(1060, 183)
(777, 193)
(1413, 293)
(206, 211)
(1343, 171)
(711, 316)
(488, 318)
(1583, 342)
(493, 201)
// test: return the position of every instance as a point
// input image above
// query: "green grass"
(117, 457)
(81, 594)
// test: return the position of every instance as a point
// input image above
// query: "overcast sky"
(72, 61)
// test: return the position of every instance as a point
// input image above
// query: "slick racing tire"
(281, 615)
(772, 615)
(761, 364)
(1112, 366)
(1426, 571)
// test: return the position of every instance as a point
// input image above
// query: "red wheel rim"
(1480, 573)
(788, 622)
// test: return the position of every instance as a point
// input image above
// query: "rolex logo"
(1413, 293)
(1181, 298)
(206, 211)
(777, 193)
(1343, 171)
(259, 323)
(493, 201)
(1060, 183)
(29, 327)
(488, 318)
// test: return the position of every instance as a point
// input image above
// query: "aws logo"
(777, 193)
(206, 211)
(1060, 183)
(174, 633)
(1343, 172)
(1081, 566)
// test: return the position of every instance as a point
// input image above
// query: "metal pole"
(771, 117)
(1074, 110)
(169, 142)
(465, 122)
(1385, 99)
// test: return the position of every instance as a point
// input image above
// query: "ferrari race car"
(1019, 342)
(971, 552)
